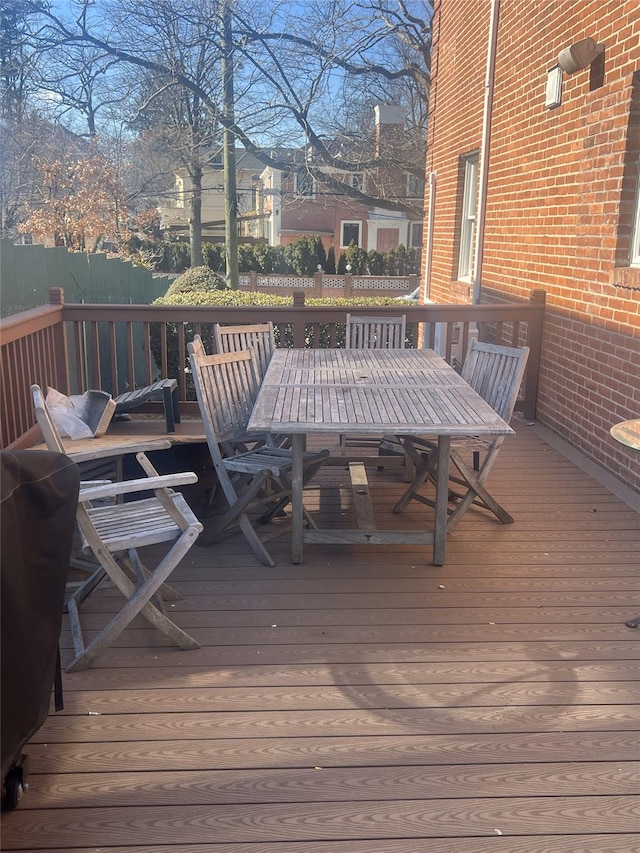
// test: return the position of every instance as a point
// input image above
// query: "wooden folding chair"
(114, 532)
(496, 373)
(226, 386)
(258, 337)
(376, 332)
(372, 333)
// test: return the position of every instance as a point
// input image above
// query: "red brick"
(561, 195)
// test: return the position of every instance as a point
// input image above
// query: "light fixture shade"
(579, 55)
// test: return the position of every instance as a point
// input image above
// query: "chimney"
(389, 124)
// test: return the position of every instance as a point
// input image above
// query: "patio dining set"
(259, 404)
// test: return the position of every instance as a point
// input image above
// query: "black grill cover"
(38, 495)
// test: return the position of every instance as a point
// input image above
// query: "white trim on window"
(468, 217)
(350, 229)
(635, 230)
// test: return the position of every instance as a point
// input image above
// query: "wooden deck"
(366, 701)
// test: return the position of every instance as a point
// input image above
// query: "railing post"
(253, 276)
(534, 341)
(60, 348)
(299, 326)
(317, 284)
(348, 286)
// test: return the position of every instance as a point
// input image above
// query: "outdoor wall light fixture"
(579, 55)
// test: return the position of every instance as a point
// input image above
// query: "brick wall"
(560, 198)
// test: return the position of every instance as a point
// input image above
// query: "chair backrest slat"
(496, 373)
(258, 337)
(226, 386)
(376, 332)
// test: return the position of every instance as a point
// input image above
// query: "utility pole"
(228, 151)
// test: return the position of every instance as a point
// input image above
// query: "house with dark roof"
(306, 200)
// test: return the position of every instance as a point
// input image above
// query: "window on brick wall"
(349, 231)
(468, 216)
(635, 232)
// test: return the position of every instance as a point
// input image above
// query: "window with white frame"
(349, 231)
(468, 216)
(305, 185)
(635, 231)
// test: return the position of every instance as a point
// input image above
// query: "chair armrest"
(143, 485)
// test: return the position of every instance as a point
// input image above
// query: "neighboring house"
(280, 206)
(174, 218)
(292, 204)
(534, 184)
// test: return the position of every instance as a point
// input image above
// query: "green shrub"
(321, 255)
(269, 259)
(299, 258)
(375, 262)
(180, 254)
(200, 279)
(214, 257)
(330, 263)
(357, 257)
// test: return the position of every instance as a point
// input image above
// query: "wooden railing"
(75, 347)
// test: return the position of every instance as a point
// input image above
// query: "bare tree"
(304, 74)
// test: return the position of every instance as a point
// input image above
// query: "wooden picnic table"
(402, 392)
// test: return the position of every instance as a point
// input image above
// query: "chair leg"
(237, 508)
(423, 472)
(266, 517)
(475, 493)
(476, 490)
(170, 409)
(237, 505)
(142, 573)
(138, 602)
(256, 544)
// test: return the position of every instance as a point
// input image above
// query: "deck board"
(366, 701)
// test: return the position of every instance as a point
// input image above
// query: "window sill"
(461, 288)
(626, 278)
